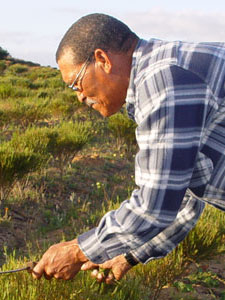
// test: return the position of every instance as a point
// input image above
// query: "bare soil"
(212, 288)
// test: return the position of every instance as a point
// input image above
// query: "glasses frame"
(83, 68)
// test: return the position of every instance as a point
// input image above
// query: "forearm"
(168, 239)
(124, 230)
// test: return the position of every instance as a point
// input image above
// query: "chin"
(105, 111)
(108, 112)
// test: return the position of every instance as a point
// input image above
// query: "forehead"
(67, 66)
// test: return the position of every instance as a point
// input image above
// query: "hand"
(118, 267)
(62, 261)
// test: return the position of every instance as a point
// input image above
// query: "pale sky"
(32, 30)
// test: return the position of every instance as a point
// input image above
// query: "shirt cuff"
(146, 256)
(92, 248)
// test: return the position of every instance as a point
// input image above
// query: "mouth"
(89, 102)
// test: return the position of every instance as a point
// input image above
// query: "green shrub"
(123, 129)
(3, 53)
(55, 83)
(23, 82)
(61, 142)
(2, 67)
(6, 90)
(64, 105)
(67, 139)
(23, 113)
(34, 139)
(16, 162)
(207, 237)
(17, 69)
(45, 93)
(71, 137)
(42, 73)
(9, 90)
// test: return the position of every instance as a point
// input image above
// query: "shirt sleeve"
(168, 239)
(170, 111)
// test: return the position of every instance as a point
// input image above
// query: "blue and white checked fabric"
(176, 96)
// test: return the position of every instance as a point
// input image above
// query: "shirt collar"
(130, 98)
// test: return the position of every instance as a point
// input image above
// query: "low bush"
(8, 90)
(2, 67)
(16, 162)
(123, 129)
(20, 82)
(66, 140)
(3, 53)
(17, 69)
(61, 142)
(42, 73)
(22, 113)
(64, 105)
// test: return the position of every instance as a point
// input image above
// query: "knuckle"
(118, 276)
(58, 276)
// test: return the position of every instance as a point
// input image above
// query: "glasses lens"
(83, 68)
(74, 88)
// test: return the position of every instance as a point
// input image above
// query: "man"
(176, 94)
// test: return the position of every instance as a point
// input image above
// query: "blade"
(29, 268)
(14, 271)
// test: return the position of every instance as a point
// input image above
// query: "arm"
(168, 239)
(157, 247)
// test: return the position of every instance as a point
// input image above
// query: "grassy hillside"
(77, 166)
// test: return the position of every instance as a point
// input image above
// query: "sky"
(32, 30)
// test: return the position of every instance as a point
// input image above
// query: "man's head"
(95, 56)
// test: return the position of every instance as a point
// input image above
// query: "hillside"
(84, 167)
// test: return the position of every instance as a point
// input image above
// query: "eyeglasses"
(83, 69)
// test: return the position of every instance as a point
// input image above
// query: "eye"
(74, 88)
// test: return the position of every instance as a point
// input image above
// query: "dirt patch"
(203, 281)
(89, 160)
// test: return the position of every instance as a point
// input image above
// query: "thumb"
(38, 270)
(88, 266)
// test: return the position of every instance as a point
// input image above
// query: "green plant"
(23, 113)
(2, 67)
(64, 105)
(33, 139)
(17, 69)
(66, 140)
(5, 219)
(206, 237)
(3, 53)
(23, 154)
(8, 90)
(123, 129)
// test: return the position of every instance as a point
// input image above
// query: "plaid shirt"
(176, 96)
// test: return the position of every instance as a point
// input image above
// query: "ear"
(103, 60)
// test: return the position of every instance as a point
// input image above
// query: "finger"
(118, 273)
(58, 276)
(106, 265)
(94, 273)
(89, 266)
(38, 270)
(100, 278)
(48, 277)
(110, 279)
